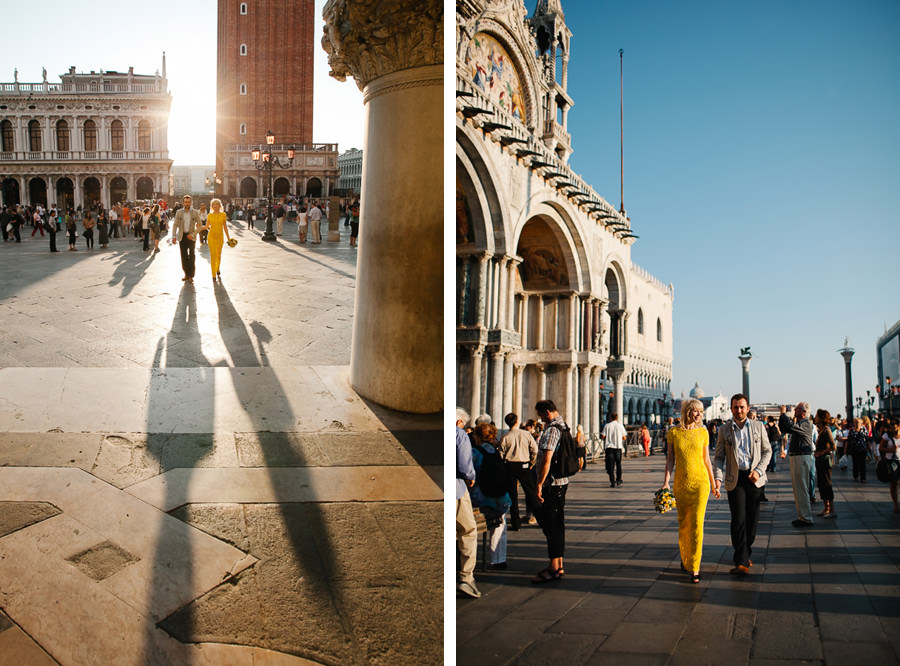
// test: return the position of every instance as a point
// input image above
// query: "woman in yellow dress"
(688, 454)
(217, 226)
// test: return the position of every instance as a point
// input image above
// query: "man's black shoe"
(801, 523)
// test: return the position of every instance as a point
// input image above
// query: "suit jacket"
(726, 463)
(183, 226)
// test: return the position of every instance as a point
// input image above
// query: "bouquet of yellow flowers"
(663, 500)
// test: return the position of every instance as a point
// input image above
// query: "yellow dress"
(216, 239)
(691, 490)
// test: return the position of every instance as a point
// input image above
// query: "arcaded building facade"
(96, 137)
(549, 303)
(265, 84)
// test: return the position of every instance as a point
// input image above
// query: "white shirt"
(612, 434)
(742, 444)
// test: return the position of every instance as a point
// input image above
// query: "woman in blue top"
(494, 509)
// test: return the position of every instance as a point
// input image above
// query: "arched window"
(143, 135)
(243, 9)
(117, 136)
(658, 330)
(243, 49)
(640, 321)
(243, 129)
(8, 137)
(34, 137)
(62, 136)
(90, 135)
(243, 88)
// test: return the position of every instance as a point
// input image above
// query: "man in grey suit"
(742, 454)
(184, 232)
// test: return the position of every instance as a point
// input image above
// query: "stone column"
(745, 376)
(507, 387)
(394, 51)
(571, 412)
(573, 319)
(585, 413)
(542, 381)
(503, 310)
(511, 293)
(517, 406)
(463, 277)
(475, 404)
(595, 401)
(497, 359)
(76, 191)
(481, 294)
(539, 325)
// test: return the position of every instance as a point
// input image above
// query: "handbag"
(886, 469)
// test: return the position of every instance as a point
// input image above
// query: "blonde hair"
(686, 407)
(215, 201)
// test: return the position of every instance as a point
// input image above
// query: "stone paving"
(829, 594)
(186, 475)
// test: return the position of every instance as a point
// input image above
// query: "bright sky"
(186, 31)
(762, 173)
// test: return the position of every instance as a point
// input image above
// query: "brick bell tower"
(265, 74)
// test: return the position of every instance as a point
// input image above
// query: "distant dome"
(697, 392)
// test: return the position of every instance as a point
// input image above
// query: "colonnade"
(160, 184)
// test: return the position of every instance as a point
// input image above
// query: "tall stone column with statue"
(394, 51)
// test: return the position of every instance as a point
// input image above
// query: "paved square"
(186, 475)
(825, 595)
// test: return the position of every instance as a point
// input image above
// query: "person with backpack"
(558, 459)
(489, 492)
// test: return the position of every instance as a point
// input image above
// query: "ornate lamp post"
(266, 161)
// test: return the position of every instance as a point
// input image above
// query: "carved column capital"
(367, 39)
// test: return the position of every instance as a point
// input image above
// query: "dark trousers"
(146, 234)
(744, 504)
(859, 464)
(823, 476)
(552, 518)
(187, 247)
(613, 459)
(52, 240)
(518, 473)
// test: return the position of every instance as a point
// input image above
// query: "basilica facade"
(548, 301)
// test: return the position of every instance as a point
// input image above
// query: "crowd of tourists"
(149, 221)
(731, 457)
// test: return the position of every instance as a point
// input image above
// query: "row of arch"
(249, 188)
(65, 191)
(63, 136)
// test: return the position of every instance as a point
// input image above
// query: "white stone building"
(350, 162)
(97, 137)
(194, 179)
(548, 301)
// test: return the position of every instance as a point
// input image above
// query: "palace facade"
(97, 137)
(549, 303)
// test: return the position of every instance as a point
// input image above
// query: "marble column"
(619, 388)
(539, 327)
(507, 387)
(571, 410)
(595, 401)
(584, 414)
(496, 388)
(463, 270)
(481, 295)
(573, 319)
(511, 292)
(518, 388)
(542, 381)
(503, 313)
(475, 404)
(394, 51)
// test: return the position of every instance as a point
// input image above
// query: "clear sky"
(762, 173)
(92, 38)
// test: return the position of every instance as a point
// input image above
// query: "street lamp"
(264, 160)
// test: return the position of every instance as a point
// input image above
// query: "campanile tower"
(265, 74)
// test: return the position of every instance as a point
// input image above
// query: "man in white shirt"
(315, 217)
(614, 436)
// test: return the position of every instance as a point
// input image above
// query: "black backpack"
(491, 478)
(566, 458)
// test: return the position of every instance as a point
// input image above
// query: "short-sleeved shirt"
(612, 434)
(549, 442)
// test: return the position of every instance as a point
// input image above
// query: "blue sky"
(762, 172)
(186, 31)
